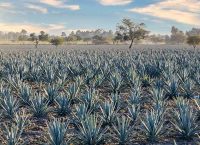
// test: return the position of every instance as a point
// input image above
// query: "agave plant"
(25, 94)
(134, 98)
(14, 81)
(49, 74)
(172, 88)
(183, 74)
(116, 82)
(89, 98)
(188, 86)
(82, 111)
(197, 102)
(14, 131)
(115, 98)
(133, 78)
(63, 104)
(134, 112)
(91, 132)
(10, 105)
(184, 121)
(51, 92)
(158, 94)
(153, 125)
(73, 90)
(108, 113)
(98, 80)
(56, 132)
(39, 106)
(123, 130)
(181, 102)
(146, 81)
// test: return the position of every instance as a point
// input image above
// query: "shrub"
(193, 40)
(57, 41)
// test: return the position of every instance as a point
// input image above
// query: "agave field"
(99, 96)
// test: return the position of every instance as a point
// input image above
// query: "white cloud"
(60, 4)
(6, 5)
(182, 11)
(114, 2)
(37, 8)
(36, 28)
(17, 27)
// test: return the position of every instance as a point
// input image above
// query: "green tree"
(57, 41)
(131, 31)
(43, 36)
(193, 40)
(23, 35)
(33, 36)
(177, 36)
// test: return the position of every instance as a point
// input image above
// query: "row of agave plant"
(94, 119)
(94, 97)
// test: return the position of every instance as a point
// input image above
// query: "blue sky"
(55, 16)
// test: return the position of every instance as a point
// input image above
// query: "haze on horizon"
(56, 16)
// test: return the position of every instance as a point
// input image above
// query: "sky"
(56, 16)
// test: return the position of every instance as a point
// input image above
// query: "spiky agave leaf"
(73, 90)
(90, 98)
(134, 112)
(158, 94)
(14, 131)
(82, 111)
(108, 113)
(91, 132)
(116, 81)
(172, 88)
(187, 87)
(134, 97)
(184, 121)
(63, 105)
(10, 105)
(123, 130)
(39, 107)
(51, 92)
(153, 125)
(56, 132)
(25, 93)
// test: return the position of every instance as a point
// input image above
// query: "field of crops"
(95, 95)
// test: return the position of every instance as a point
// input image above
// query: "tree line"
(126, 31)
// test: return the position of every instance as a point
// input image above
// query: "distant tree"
(157, 38)
(78, 38)
(33, 36)
(57, 41)
(177, 36)
(63, 34)
(98, 40)
(193, 32)
(132, 31)
(118, 38)
(193, 40)
(72, 37)
(23, 35)
(86, 40)
(43, 36)
(167, 39)
(23, 32)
